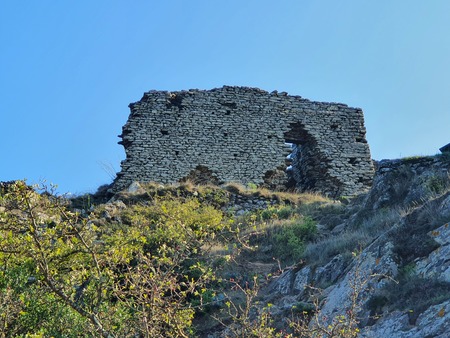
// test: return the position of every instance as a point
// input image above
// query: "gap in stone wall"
(246, 130)
(298, 137)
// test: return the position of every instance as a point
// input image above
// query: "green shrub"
(252, 186)
(290, 241)
(174, 224)
(278, 212)
(63, 275)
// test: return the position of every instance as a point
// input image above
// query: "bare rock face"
(407, 182)
(331, 272)
(283, 284)
(242, 134)
(398, 283)
(302, 281)
(434, 322)
(437, 264)
(370, 271)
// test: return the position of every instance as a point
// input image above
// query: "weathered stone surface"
(371, 271)
(434, 322)
(328, 274)
(302, 281)
(406, 182)
(283, 284)
(445, 208)
(419, 187)
(437, 264)
(240, 134)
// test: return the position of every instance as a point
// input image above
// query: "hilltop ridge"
(233, 260)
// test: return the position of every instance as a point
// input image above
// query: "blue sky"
(69, 69)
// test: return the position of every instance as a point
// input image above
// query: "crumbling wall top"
(240, 134)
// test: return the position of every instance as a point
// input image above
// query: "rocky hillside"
(397, 282)
(205, 261)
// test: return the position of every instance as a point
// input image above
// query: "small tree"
(116, 280)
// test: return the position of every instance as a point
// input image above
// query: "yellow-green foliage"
(206, 194)
(279, 212)
(174, 225)
(142, 266)
(64, 276)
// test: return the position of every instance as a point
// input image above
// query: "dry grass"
(235, 187)
(411, 240)
(354, 238)
(305, 199)
(412, 294)
(382, 220)
(320, 253)
(282, 196)
(309, 198)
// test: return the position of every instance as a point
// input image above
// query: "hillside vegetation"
(206, 261)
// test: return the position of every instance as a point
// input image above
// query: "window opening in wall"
(291, 183)
(289, 157)
(296, 139)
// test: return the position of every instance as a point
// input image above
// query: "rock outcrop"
(398, 281)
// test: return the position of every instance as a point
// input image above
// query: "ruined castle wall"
(240, 134)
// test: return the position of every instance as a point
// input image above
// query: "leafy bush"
(279, 212)
(62, 275)
(290, 241)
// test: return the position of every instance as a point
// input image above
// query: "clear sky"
(69, 69)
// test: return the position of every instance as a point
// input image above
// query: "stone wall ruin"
(243, 134)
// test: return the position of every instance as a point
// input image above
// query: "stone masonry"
(242, 134)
